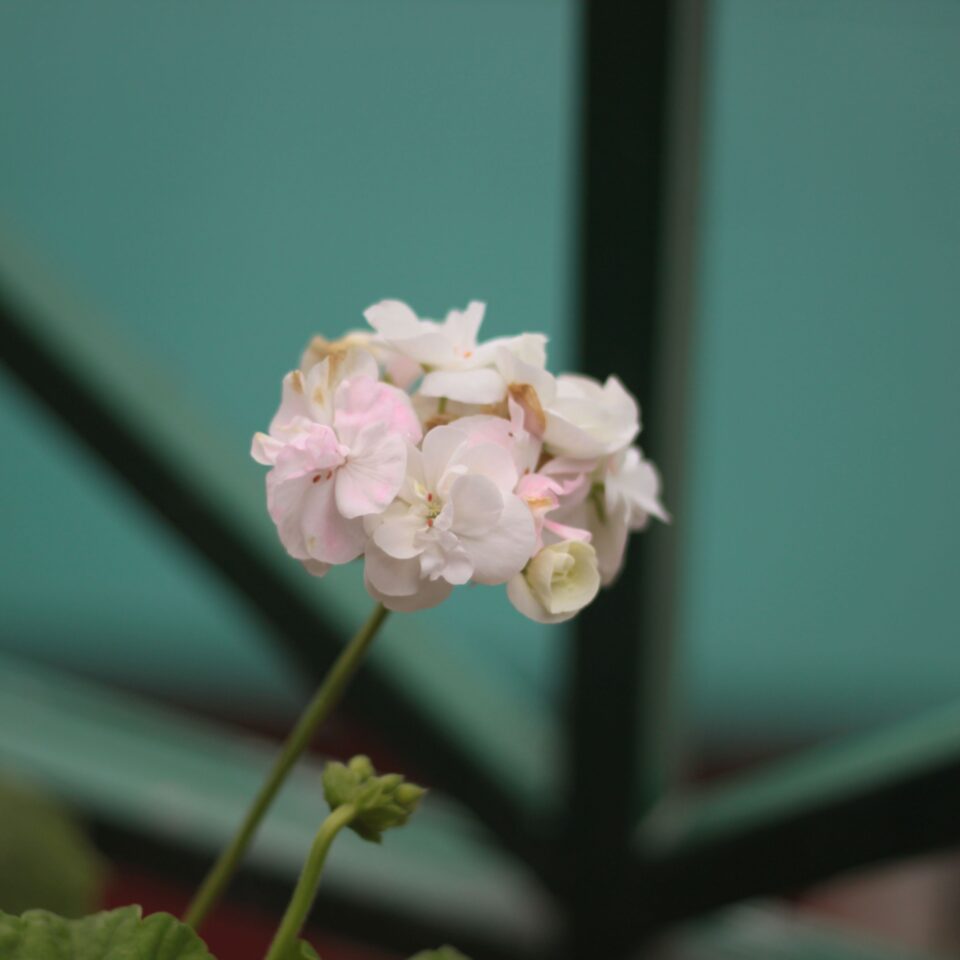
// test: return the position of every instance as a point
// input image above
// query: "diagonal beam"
(625, 76)
(892, 794)
(87, 397)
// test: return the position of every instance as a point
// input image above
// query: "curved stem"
(306, 889)
(326, 698)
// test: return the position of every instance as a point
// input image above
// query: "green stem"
(317, 711)
(306, 889)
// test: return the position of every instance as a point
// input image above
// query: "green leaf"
(46, 861)
(441, 953)
(301, 950)
(122, 934)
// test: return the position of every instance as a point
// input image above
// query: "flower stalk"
(318, 710)
(306, 889)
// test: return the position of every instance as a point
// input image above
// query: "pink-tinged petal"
(477, 505)
(493, 462)
(314, 448)
(465, 386)
(561, 531)
(361, 402)
(397, 537)
(440, 446)
(285, 505)
(329, 537)
(315, 568)
(430, 593)
(293, 405)
(400, 370)
(504, 550)
(264, 449)
(357, 362)
(483, 428)
(391, 576)
(371, 478)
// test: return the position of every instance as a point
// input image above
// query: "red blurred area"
(233, 932)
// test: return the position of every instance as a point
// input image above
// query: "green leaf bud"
(381, 802)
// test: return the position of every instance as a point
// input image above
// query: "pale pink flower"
(338, 452)
(456, 519)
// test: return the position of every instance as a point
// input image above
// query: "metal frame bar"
(625, 75)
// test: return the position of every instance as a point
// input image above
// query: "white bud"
(557, 583)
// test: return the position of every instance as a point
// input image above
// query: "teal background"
(821, 528)
(223, 180)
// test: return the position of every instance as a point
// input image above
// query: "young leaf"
(122, 934)
(46, 862)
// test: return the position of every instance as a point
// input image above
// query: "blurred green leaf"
(301, 950)
(46, 861)
(112, 935)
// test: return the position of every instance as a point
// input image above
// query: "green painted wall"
(821, 586)
(223, 182)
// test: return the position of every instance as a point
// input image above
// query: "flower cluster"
(444, 461)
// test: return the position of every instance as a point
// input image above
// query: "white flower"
(621, 496)
(338, 452)
(586, 419)
(455, 519)
(557, 583)
(541, 486)
(456, 366)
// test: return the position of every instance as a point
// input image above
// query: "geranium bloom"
(456, 519)
(490, 470)
(338, 449)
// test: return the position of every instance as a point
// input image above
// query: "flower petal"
(466, 386)
(390, 576)
(493, 462)
(371, 478)
(264, 449)
(524, 600)
(397, 537)
(477, 505)
(430, 593)
(440, 445)
(362, 401)
(393, 319)
(329, 536)
(505, 549)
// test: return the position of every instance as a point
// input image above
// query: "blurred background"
(209, 185)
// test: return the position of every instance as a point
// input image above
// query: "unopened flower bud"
(557, 583)
(382, 802)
